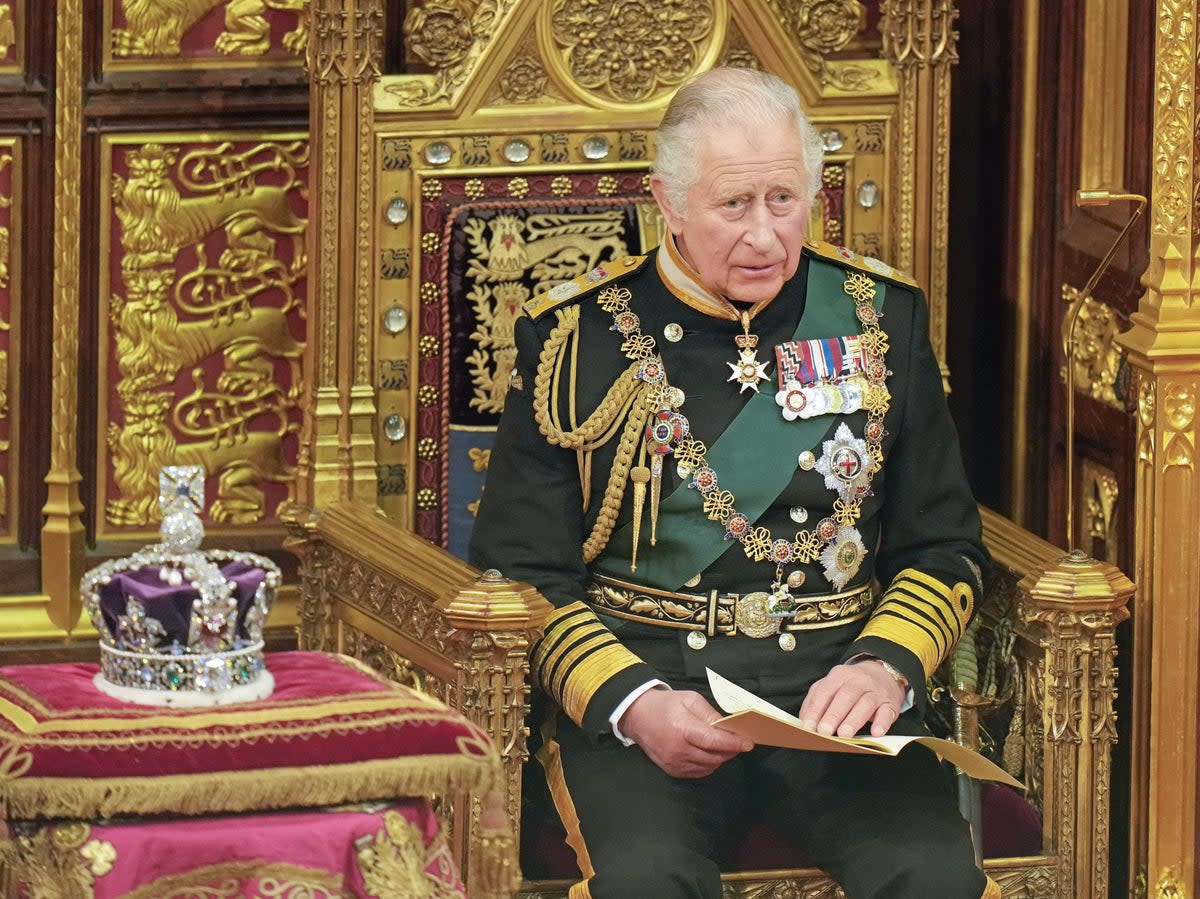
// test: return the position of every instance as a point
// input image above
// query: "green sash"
(757, 452)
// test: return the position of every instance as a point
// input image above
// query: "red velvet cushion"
(332, 732)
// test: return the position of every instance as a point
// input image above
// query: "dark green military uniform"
(557, 516)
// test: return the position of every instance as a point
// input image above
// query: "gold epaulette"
(848, 258)
(578, 287)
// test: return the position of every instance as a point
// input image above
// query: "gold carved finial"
(493, 601)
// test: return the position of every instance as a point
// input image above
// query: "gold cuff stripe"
(591, 675)
(549, 665)
(895, 628)
(991, 890)
(938, 596)
(559, 627)
(919, 617)
(938, 588)
(928, 608)
(551, 758)
(565, 665)
(562, 641)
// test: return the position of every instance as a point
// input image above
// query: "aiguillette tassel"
(639, 475)
(656, 468)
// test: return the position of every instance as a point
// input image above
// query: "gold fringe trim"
(243, 791)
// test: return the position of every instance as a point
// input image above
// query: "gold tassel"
(495, 869)
(639, 475)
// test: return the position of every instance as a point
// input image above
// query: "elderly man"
(708, 457)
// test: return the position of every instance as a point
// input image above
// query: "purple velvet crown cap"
(171, 606)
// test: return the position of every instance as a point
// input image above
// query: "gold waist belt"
(725, 613)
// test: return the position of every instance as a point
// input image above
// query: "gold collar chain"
(834, 540)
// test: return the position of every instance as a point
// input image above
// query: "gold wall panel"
(10, 342)
(180, 34)
(203, 290)
(12, 33)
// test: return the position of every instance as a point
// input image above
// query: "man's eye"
(783, 198)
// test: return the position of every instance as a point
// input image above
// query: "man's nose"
(760, 231)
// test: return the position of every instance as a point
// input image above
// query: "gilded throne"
(515, 159)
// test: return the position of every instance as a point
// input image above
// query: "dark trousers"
(883, 828)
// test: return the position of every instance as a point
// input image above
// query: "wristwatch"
(893, 672)
(896, 674)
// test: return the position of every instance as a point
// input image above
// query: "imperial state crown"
(179, 626)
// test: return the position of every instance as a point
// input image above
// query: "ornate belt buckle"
(751, 618)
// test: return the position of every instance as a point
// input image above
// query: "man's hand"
(674, 728)
(851, 695)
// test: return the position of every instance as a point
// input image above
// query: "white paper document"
(762, 722)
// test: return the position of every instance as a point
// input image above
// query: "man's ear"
(673, 219)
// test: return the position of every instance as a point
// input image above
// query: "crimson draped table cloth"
(333, 732)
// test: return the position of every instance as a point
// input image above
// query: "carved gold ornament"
(822, 27)
(439, 33)
(221, 324)
(523, 80)
(631, 50)
(156, 28)
(825, 26)
(1098, 357)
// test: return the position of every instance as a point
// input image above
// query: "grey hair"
(727, 96)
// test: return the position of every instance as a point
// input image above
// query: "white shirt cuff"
(626, 703)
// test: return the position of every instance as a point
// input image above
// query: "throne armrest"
(375, 591)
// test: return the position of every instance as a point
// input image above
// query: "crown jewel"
(179, 626)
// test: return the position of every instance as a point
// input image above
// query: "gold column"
(337, 455)
(1078, 602)
(1164, 347)
(919, 39)
(62, 534)
(368, 57)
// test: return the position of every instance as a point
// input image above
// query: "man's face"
(746, 221)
